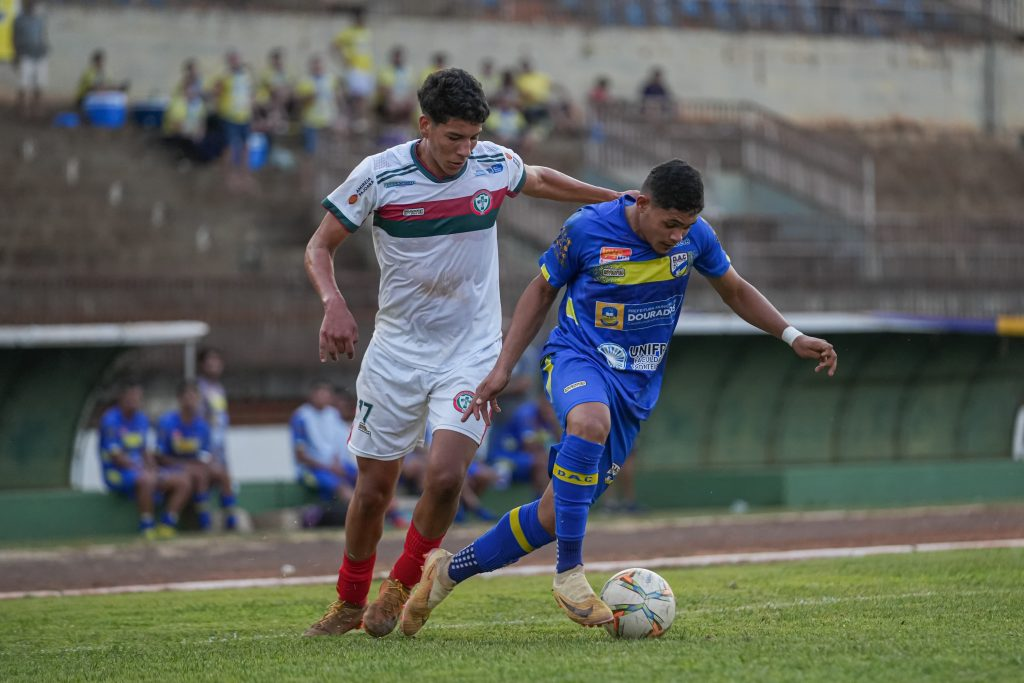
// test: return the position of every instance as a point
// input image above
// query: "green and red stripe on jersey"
(478, 211)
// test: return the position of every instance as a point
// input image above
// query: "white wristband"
(790, 334)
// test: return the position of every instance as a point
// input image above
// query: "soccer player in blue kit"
(625, 264)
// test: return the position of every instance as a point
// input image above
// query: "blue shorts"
(123, 481)
(571, 379)
(237, 135)
(325, 482)
(521, 464)
(309, 138)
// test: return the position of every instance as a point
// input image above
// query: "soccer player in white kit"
(437, 333)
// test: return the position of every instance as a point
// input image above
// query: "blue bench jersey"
(178, 439)
(623, 299)
(120, 434)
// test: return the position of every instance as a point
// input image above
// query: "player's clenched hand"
(820, 350)
(339, 333)
(485, 398)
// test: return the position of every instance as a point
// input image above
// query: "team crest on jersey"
(462, 401)
(613, 254)
(609, 316)
(481, 202)
(679, 264)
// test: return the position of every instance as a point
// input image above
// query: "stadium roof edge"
(103, 334)
(695, 324)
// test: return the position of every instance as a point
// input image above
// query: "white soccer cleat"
(578, 600)
(434, 587)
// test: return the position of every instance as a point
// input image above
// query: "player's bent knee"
(446, 484)
(590, 425)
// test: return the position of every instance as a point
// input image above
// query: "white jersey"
(437, 247)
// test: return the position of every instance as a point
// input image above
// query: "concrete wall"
(813, 80)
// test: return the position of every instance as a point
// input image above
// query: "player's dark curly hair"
(453, 94)
(675, 185)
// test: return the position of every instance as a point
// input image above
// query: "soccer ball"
(642, 602)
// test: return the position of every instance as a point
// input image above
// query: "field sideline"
(922, 616)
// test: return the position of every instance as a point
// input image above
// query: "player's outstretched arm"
(339, 333)
(529, 315)
(547, 183)
(749, 304)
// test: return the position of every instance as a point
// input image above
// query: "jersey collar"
(431, 176)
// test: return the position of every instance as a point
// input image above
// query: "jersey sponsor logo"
(614, 355)
(399, 183)
(613, 254)
(679, 264)
(481, 202)
(508, 156)
(647, 357)
(609, 316)
(612, 316)
(609, 272)
(363, 428)
(353, 199)
(364, 186)
(574, 385)
(462, 401)
(413, 212)
(479, 172)
(609, 477)
(496, 168)
(131, 439)
(571, 477)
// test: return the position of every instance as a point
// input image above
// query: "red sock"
(354, 579)
(409, 567)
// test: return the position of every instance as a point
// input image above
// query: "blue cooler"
(258, 145)
(106, 109)
(149, 114)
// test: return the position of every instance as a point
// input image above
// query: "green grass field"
(956, 616)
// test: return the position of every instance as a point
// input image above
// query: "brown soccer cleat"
(434, 587)
(382, 615)
(341, 617)
(577, 599)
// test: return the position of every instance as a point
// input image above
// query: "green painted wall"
(42, 396)
(748, 402)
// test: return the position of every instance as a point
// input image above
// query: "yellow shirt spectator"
(235, 97)
(534, 88)
(317, 97)
(355, 44)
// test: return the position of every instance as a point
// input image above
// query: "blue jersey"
(526, 426)
(623, 299)
(179, 439)
(120, 434)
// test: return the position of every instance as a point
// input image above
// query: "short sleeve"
(560, 262)
(355, 198)
(516, 172)
(300, 439)
(712, 261)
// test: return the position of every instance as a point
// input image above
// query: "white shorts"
(395, 402)
(32, 73)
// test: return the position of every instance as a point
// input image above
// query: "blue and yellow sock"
(227, 503)
(517, 533)
(574, 479)
(169, 519)
(145, 522)
(202, 505)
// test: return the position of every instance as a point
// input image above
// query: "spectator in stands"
(396, 99)
(506, 125)
(354, 47)
(130, 469)
(214, 406)
(508, 90)
(233, 95)
(274, 96)
(184, 126)
(190, 76)
(654, 94)
(31, 46)
(183, 443)
(600, 94)
(94, 78)
(519, 450)
(438, 62)
(317, 97)
(534, 94)
(489, 78)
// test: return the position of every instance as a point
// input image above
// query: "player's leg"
(364, 525)
(447, 461)
(221, 480)
(145, 488)
(176, 487)
(390, 421)
(199, 479)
